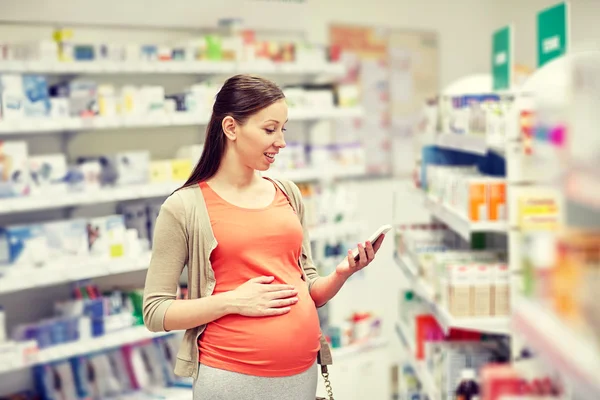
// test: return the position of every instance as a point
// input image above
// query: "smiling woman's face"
(258, 141)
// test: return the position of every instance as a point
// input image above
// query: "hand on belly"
(259, 297)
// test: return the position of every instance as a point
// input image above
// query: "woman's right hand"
(259, 298)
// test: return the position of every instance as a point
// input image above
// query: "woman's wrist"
(341, 276)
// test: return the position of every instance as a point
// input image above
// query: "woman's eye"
(270, 130)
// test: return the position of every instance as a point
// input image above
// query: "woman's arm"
(163, 312)
(323, 289)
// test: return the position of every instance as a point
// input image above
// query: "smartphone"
(382, 230)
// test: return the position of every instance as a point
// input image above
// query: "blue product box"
(37, 99)
(66, 239)
(26, 244)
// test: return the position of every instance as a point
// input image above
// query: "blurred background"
(470, 126)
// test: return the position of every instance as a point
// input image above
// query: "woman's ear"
(229, 127)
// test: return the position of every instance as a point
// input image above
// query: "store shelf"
(493, 325)
(427, 382)
(474, 144)
(582, 185)
(459, 223)
(170, 67)
(30, 126)
(30, 277)
(25, 277)
(73, 349)
(359, 348)
(314, 174)
(32, 203)
(462, 142)
(572, 354)
(333, 230)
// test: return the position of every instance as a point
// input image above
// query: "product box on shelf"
(12, 97)
(66, 240)
(23, 245)
(160, 171)
(48, 173)
(180, 169)
(36, 98)
(153, 211)
(131, 167)
(136, 217)
(14, 169)
(106, 236)
(82, 95)
(108, 105)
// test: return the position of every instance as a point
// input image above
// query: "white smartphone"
(382, 230)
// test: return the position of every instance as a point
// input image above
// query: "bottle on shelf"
(467, 389)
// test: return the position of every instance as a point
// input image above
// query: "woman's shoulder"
(290, 188)
(180, 201)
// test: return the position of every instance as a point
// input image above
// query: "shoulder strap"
(289, 192)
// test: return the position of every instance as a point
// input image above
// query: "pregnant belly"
(283, 345)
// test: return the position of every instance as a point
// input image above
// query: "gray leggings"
(217, 384)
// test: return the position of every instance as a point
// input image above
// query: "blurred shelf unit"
(420, 367)
(492, 325)
(30, 277)
(575, 356)
(24, 277)
(171, 67)
(33, 203)
(460, 223)
(27, 355)
(24, 204)
(53, 125)
(17, 358)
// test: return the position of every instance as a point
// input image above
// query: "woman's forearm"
(187, 314)
(326, 287)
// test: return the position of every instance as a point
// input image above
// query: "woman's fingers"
(282, 294)
(362, 256)
(377, 243)
(351, 261)
(283, 303)
(370, 252)
(269, 312)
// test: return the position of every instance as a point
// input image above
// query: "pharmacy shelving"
(35, 202)
(30, 126)
(335, 230)
(170, 67)
(355, 349)
(68, 350)
(460, 223)
(425, 377)
(462, 142)
(26, 277)
(492, 325)
(38, 202)
(570, 353)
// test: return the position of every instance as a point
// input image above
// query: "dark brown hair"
(240, 97)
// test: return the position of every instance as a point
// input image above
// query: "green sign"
(552, 33)
(502, 58)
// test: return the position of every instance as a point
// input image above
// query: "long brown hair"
(240, 97)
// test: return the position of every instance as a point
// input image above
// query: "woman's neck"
(232, 172)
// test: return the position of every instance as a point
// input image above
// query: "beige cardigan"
(183, 236)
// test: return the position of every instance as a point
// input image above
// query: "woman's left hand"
(366, 254)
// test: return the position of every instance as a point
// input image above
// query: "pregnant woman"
(252, 330)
